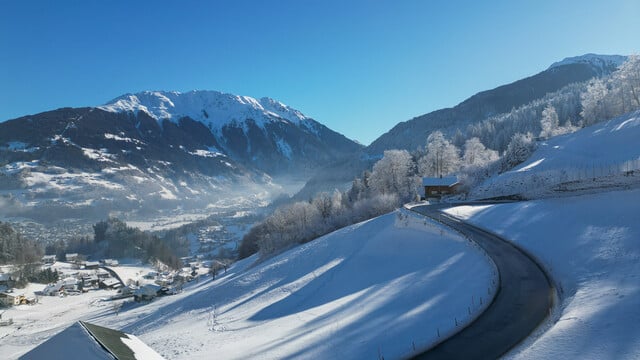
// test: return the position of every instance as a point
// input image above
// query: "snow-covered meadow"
(387, 287)
(589, 244)
(593, 159)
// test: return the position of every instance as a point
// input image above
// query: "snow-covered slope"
(602, 63)
(598, 156)
(387, 288)
(590, 246)
(213, 108)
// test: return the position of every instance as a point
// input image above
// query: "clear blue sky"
(357, 66)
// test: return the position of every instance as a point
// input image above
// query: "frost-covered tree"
(627, 77)
(549, 122)
(15, 249)
(441, 158)
(595, 106)
(324, 204)
(395, 174)
(518, 150)
(613, 96)
(476, 154)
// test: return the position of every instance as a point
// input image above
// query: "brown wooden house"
(436, 187)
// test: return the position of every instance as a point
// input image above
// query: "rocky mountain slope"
(157, 150)
(260, 133)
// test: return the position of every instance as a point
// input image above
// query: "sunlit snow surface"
(601, 156)
(212, 108)
(591, 246)
(385, 287)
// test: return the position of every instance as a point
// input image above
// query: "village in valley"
(84, 285)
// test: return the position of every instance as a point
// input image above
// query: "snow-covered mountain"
(602, 63)
(213, 108)
(264, 134)
(151, 149)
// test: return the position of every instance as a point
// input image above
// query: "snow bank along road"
(523, 300)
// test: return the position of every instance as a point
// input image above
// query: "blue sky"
(357, 66)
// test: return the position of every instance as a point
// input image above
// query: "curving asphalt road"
(523, 300)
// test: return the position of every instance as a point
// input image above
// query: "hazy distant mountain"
(155, 150)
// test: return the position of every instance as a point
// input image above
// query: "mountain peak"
(599, 62)
(213, 108)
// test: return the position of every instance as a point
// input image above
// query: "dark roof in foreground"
(83, 340)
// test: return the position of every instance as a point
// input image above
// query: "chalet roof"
(110, 281)
(83, 340)
(148, 290)
(440, 181)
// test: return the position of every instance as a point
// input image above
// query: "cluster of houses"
(82, 276)
(88, 275)
(8, 297)
(170, 283)
(77, 259)
(82, 281)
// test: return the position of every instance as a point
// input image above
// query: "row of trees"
(396, 177)
(24, 254)
(614, 95)
(393, 180)
(112, 238)
(15, 249)
(304, 221)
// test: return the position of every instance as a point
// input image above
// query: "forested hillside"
(476, 153)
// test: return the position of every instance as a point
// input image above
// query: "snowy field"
(591, 246)
(382, 288)
(602, 156)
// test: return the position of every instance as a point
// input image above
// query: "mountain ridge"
(412, 133)
(131, 160)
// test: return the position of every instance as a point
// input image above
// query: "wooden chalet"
(436, 187)
(9, 299)
(48, 259)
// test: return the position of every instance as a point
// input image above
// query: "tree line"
(482, 150)
(16, 249)
(112, 238)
